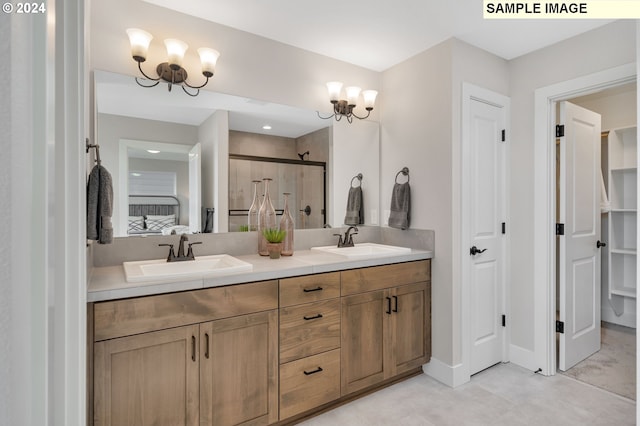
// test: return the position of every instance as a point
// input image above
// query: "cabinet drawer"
(387, 276)
(309, 329)
(309, 382)
(309, 288)
(142, 314)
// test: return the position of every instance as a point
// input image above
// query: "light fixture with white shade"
(171, 71)
(344, 108)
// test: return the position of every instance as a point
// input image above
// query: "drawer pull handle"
(313, 317)
(206, 348)
(317, 370)
(309, 290)
(388, 305)
(193, 348)
(395, 300)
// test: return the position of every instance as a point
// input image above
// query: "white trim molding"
(452, 376)
(545, 203)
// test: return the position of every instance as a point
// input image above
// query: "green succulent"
(274, 235)
(244, 228)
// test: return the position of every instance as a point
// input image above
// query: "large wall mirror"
(181, 163)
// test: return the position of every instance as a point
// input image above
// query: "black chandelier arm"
(191, 94)
(196, 87)
(326, 118)
(362, 118)
(146, 76)
(144, 85)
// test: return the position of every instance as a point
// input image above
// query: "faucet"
(347, 241)
(181, 256)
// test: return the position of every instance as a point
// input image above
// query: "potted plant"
(274, 237)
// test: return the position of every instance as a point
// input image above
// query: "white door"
(485, 214)
(194, 189)
(579, 260)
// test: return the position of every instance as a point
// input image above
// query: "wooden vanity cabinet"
(221, 369)
(309, 342)
(148, 379)
(386, 316)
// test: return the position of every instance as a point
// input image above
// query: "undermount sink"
(160, 269)
(362, 250)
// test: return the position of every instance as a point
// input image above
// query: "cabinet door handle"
(388, 305)
(312, 318)
(193, 348)
(395, 303)
(308, 373)
(206, 347)
(309, 290)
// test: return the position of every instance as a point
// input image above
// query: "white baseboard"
(523, 357)
(607, 314)
(452, 376)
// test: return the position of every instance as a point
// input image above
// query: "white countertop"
(109, 283)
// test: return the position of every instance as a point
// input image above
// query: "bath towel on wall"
(100, 205)
(355, 207)
(400, 216)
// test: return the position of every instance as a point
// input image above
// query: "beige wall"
(416, 132)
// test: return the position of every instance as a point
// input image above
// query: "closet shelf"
(623, 292)
(630, 251)
(624, 210)
(623, 169)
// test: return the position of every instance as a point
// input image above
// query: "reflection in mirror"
(303, 180)
(125, 111)
(156, 183)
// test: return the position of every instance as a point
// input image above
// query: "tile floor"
(502, 395)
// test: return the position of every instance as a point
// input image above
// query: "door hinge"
(504, 320)
(559, 228)
(504, 135)
(559, 327)
(504, 228)
(559, 130)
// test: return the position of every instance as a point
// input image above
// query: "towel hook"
(359, 177)
(97, 148)
(405, 172)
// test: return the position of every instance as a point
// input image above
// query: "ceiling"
(378, 34)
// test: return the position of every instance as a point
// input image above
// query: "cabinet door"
(362, 345)
(408, 341)
(239, 370)
(147, 379)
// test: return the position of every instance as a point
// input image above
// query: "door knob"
(475, 250)
(599, 244)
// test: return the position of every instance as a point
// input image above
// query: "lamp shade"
(334, 88)
(175, 52)
(352, 95)
(208, 58)
(369, 98)
(140, 41)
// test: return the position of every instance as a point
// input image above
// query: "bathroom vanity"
(269, 346)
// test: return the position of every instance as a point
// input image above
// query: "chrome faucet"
(181, 256)
(347, 241)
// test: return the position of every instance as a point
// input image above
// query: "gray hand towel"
(99, 206)
(355, 207)
(400, 215)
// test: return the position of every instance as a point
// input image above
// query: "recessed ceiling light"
(153, 151)
(266, 127)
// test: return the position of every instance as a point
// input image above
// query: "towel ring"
(359, 177)
(405, 172)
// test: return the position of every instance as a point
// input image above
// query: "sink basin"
(160, 269)
(363, 250)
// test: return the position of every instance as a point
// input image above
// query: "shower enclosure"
(304, 180)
